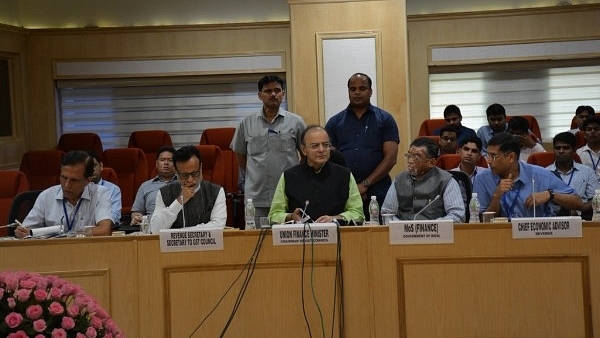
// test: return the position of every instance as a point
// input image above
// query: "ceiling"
(124, 13)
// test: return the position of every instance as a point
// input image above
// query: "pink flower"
(11, 282)
(39, 325)
(39, 336)
(80, 335)
(18, 334)
(56, 309)
(13, 319)
(59, 333)
(34, 312)
(11, 302)
(96, 323)
(67, 323)
(72, 310)
(1, 293)
(27, 284)
(40, 294)
(55, 293)
(91, 332)
(23, 295)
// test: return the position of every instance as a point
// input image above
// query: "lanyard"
(513, 204)
(594, 164)
(72, 222)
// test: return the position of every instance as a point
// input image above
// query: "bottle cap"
(474, 195)
(597, 191)
(373, 197)
(249, 200)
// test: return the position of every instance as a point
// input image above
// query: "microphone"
(304, 217)
(182, 209)
(427, 206)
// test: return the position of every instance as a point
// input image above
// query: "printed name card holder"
(191, 239)
(421, 232)
(296, 234)
(547, 227)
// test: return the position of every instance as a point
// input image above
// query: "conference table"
(485, 284)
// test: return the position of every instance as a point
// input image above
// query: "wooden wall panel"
(511, 26)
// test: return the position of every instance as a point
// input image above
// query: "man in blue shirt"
(516, 189)
(496, 117)
(368, 137)
(578, 176)
(453, 118)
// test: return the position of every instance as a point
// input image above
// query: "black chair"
(20, 207)
(466, 189)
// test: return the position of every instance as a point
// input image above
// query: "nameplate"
(422, 232)
(545, 227)
(190, 239)
(297, 234)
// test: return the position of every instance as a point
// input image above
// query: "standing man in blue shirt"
(368, 137)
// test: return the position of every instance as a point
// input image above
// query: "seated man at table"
(316, 187)
(424, 191)
(113, 189)
(470, 154)
(448, 141)
(146, 194)
(189, 201)
(73, 202)
(578, 176)
(513, 188)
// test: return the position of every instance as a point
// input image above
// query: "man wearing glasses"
(189, 201)
(513, 188)
(424, 191)
(317, 188)
(448, 140)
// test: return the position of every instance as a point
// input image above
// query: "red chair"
(80, 141)
(430, 125)
(12, 182)
(149, 141)
(130, 166)
(108, 174)
(213, 168)
(451, 161)
(42, 168)
(580, 137)
(221, 137)
(547, 158)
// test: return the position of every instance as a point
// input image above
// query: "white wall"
(123, 13)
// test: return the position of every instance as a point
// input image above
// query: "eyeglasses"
(590, 129)
(315, 146)
(414, 157)
(185, 176)
(493, 157)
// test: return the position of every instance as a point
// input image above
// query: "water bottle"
(145, 225)
(249, 213)
(596, 206)
(373, 211)
(474, 209)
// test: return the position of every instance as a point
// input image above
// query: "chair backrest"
(12, 182)
(221, 137)
(466, 190)
(580, 139)
(149, 141)
(213, 168)
(448, 161)
(430, 125)
(80, 141)
(42, 167)
(533, 125)
(130, 166)
(21, 205)
(108, 174)
(545, 159)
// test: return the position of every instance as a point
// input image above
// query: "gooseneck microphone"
(427, 206)
(304, 217)
(182, 208)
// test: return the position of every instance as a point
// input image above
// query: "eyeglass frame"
(317, 146)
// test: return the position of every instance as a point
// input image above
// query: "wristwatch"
(551, 194)
(365, 183)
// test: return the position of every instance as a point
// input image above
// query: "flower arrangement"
(32, 305)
